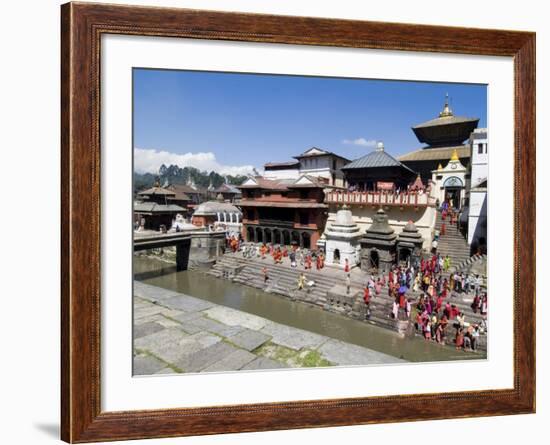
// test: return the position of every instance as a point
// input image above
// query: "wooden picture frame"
(82, 26)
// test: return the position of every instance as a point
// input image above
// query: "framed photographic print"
(274, 222)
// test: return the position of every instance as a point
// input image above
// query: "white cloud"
(149, 161)
(360, 141)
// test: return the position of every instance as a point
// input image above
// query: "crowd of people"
(433, 312)
(434, 315)
(296, 255)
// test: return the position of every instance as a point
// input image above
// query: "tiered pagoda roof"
(445, 130)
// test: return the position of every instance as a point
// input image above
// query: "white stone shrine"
(342, 240)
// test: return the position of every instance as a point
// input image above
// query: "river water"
(299, 315)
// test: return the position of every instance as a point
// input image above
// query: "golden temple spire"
(447, 112)
(439, 167)
(454, 156)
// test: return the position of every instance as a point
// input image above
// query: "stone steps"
(452, 243)
(284, 281)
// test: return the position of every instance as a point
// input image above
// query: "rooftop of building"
(210, 208)
(378, 158)
(304, 181)
(282, 165)
(316, 151)
(228, 188)
(153, 207)
(436, 154)
(185, 188)
(157, 191)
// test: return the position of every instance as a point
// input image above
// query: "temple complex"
(284, 211)
(380, 181)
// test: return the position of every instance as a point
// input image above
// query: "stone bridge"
(182, 242)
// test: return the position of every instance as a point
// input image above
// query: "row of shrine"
(377, 209)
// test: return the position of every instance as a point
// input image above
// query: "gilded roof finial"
(454, 156)
(447, 112)
(439, 167)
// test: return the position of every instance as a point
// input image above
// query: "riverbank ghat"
(329, 291)
(177, 333)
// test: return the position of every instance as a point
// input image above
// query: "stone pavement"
(177, 333)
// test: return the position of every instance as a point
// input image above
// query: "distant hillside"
(177, 175)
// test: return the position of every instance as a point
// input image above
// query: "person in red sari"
(346, 266)
(443, 228)
(308, 261)
(439, 303)
(366, 295)
(459, 338)
(318, 262)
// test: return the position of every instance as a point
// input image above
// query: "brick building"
(284, 211)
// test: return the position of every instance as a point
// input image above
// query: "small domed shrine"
(378, 245)
(342, 240)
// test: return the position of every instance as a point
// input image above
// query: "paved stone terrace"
(177, 333)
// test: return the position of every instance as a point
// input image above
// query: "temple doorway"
(452, 196)
(336, 255)
(453, 189)
(404, 256)
(374, 259)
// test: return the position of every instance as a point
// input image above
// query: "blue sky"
(230, 122)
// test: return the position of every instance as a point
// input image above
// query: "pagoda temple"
(154, 208)
(378, 170)
(442, 136)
